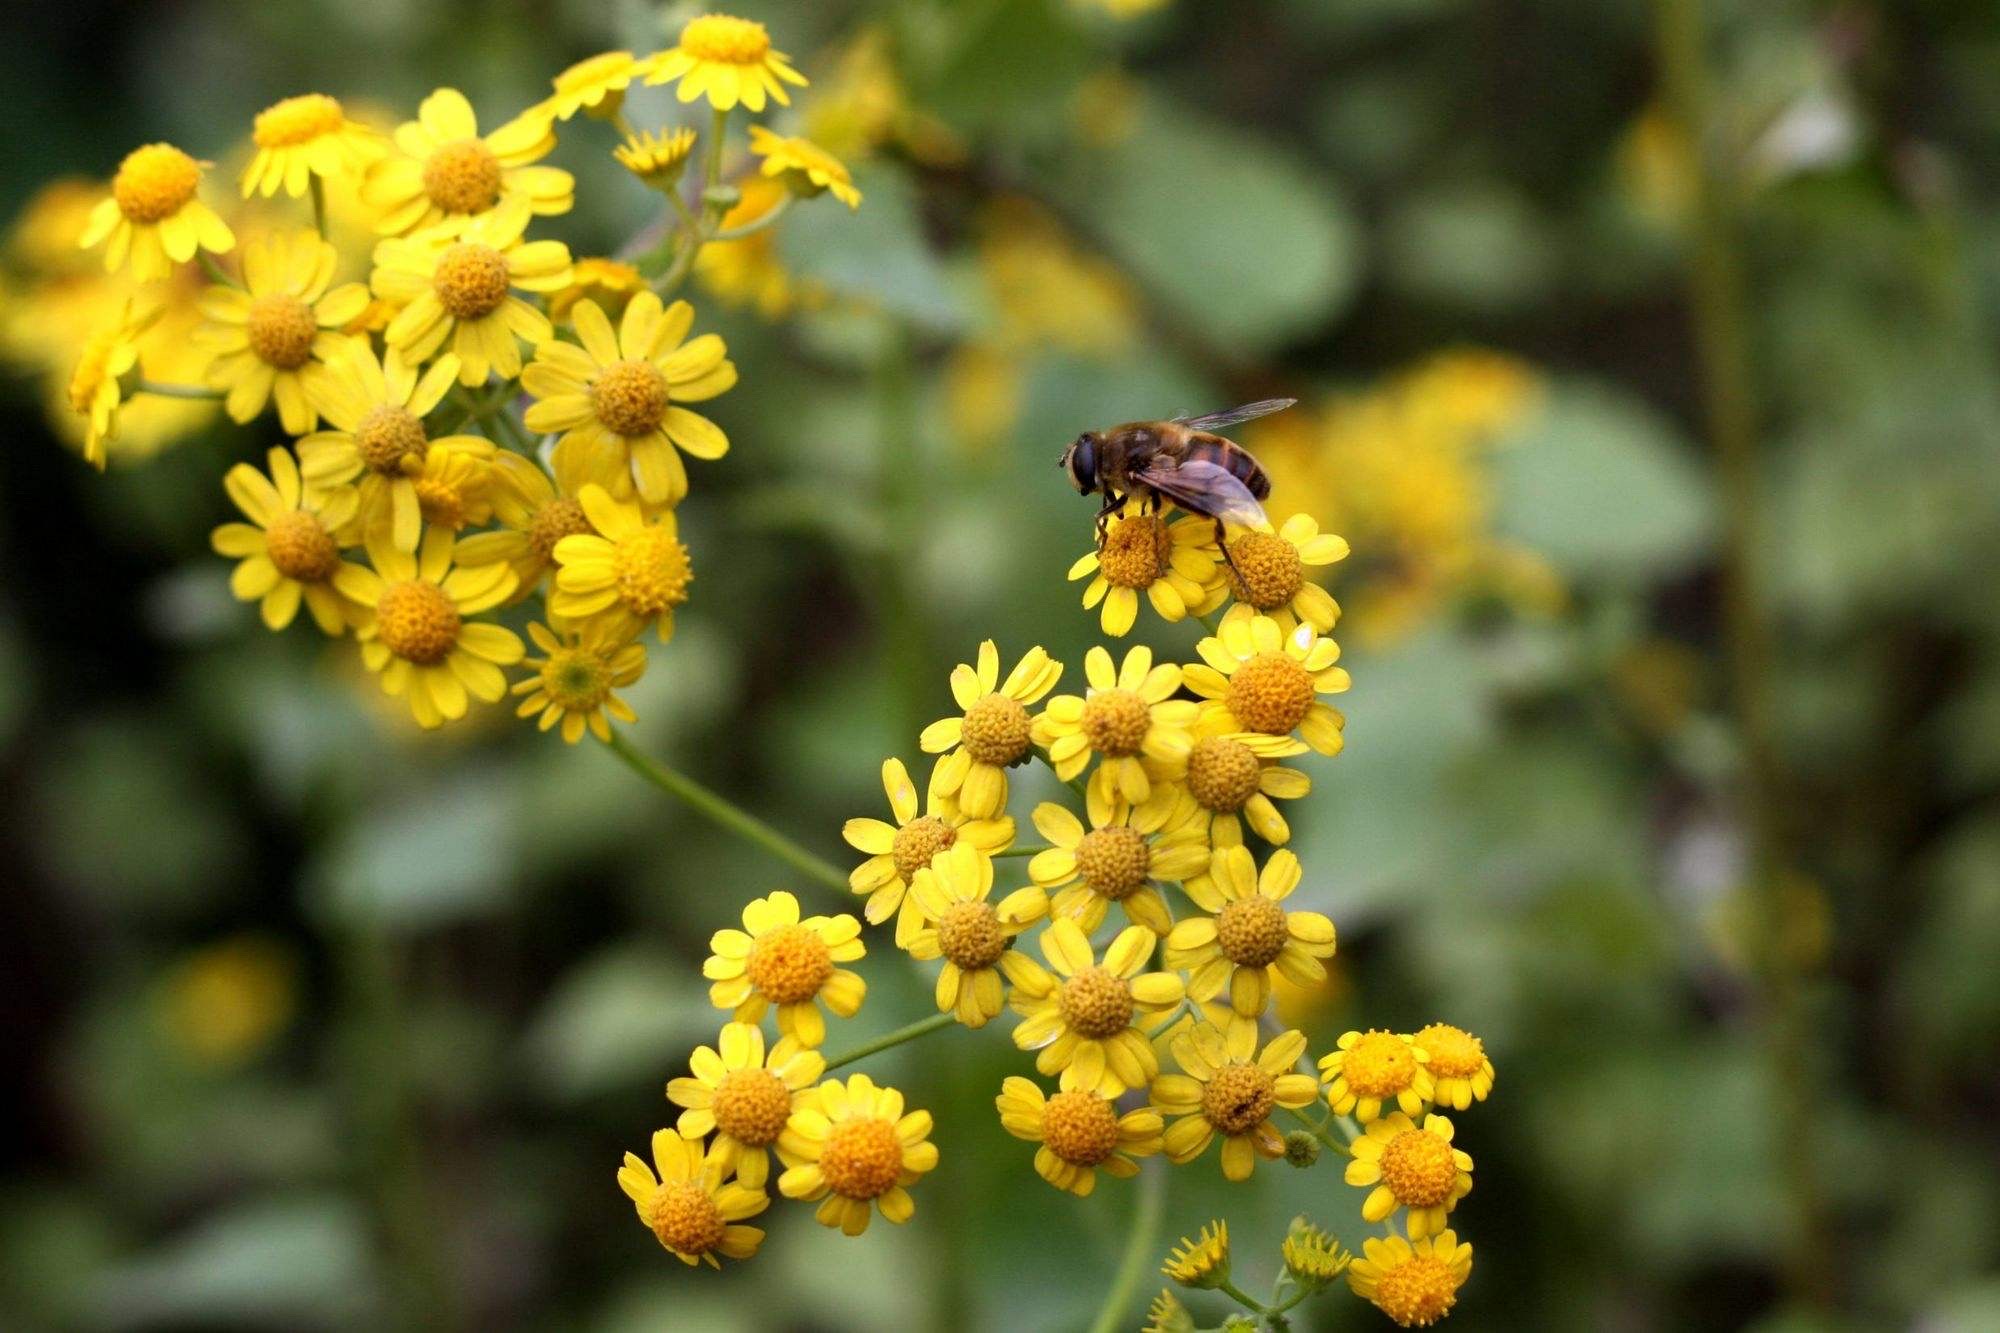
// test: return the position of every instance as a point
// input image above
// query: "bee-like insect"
(1182, 459)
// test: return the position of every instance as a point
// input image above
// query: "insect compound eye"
(1081, 460)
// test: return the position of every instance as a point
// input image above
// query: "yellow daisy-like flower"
(376, 413)
(656, 159)
(414, 632)
(748, 271)
(1228, 1088)
(290, 318)
(992, 734)
(958, 924)
(1312, 1256)
(595, 85)
(779, 959)
(1250, 935)
(154, 217)
(692, 1206)
(289, 551)
(729, 60)
(805, 168)
(535, 512)
(1413, 1167)
(1268, 572)
(1374, 1069)
(1167, 1315)
(628, 573)
(572, 684)
(1261, 680)
(1174, 564)
(1414, 1284)
(454, 488)
(1121, 859)
(1201, 1261)
(97, 383)
(456, 286)
(854, 1145)
(1458, 1065)
(1079, 1132)
(1091, 1022)
(618, 399)
(1227, 783)
(444, 172)
(306, 136)
(1129, 712)
(744, 1094)
(608, 282)
(896, 852)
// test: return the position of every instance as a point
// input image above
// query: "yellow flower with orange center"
(1263, 683)
(1122, 858)
(1228, 1088)
(992, 733)
(288, 318)
(896, 852)
(1413, 1167)
(1415, 1284)
(1092, 1022)
(1374, 1069)
(1266, 570)
(303, 137)
(1458, 1064)
(97, 383)
(611, 283)
(289, 551)
(535, 511)
(573, 681)
(805, 168)
(1080, 1133)
(855, 1146)
(1174, 564)
(744, 1094)
(692, 1206)
(154, 217)
(728, 60)
(444, 171)
(781, 960)
(1248, 935)
(1128, 714)
(973, 936)
(1226, 783)
(627, 573)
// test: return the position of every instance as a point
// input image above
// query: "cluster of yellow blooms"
(387, 516)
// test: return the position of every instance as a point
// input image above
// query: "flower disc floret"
(1238, 1098)
(1096, 1003)
(995, 731)
(1271, 693)
(862, 1159)
(724, 38)
(918, 841)
(297, 120)
(1116, 722)
(789, 964)
(1264, 570)
(416, 621)
(1080, 1127)
(389, 437)
(751, 1106)
(1136, 552)
(462, 177)
(652, 572)
(1251, 931)
(1222, 774)
(630, 397)
(685, 1218)
(281, 329)
(470, 280)
(559, 518)
(155, 182)
(969, 934)
(301, 547)
(1418, 1169)
(1114, 861)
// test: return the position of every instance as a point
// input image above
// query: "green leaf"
(878, 254)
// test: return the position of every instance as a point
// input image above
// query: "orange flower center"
(862, 1158)
(729, 41)
(1271, 693)
(442, 502)
(1267, 571)
(1114, 861)
(685, 1218)
(297, 120)
(1381, 1064)
(789, 965)
(630, 397)
(1454, 1052)
(301, 547)
(282, 329)
(155, 182)
(652, 571)
(1238, 1098)
(552, 522)
(1135, 552)
(1096, 1003)
(1080, 1127)
(470, 280)
(751, 1106)
(1116, 722)
(387, 436)
(1222, 774)
(1251, 931)
(1417, 1167)
(462, 177)
(1417, 1292)
(969, 934)
(417, 622)
(996, 731)
(918, 841)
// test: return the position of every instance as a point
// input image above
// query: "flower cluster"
(475, 416)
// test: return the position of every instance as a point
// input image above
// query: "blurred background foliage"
(311, 1023)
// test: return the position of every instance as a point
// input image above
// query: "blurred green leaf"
(617, 1019)
(437, 854)
(878, 254)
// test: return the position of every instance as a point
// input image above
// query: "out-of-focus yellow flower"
(1088, 1022)
(224, 1002)
(1167, 1315)
(896, 852)
(991, 735)
(1374, 1069)
(657, 159)
(609, 282)
(1128, 713)
(854, 1145)
(595, 85)
(1127, 852)
(1248, 935)
(266, 337)
(1414, 1284)
(1262, 683)
(306, 136)
(1105, 107)
(692, 1206)
(627, 573)
(1201, 1261)
(803, 166)
(780, 959)
(573, 683)
(97, 383)
(1174, 564)
(1657, 169)
(1229, 1088)
(972, 935)
(1458, 1063)
(747, 271)
(860, 105)
(155, 217)
(728, 60)
(442, 171)
(289, 551)
(1079, 1132)
(744, 1094)
(1413, 1167)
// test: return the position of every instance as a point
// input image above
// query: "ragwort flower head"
(1266, 571)
(993, 733)
(1415, 1284)
(573, 681)
(289, 319)
(974, 936)
(1172, 563)
(656, 159)
(303, 137)
(692, 1206)
(1124, 856)
(804, 167)
(97, 383)
(1376, 1069)
(289, 551)
(744, 1094)
(896, 852)
(1260, 682)
(728, 60)
(627, 573)
(594, 85)
(853, 1145)
(535, 511)
(1227, 782)
(1248, 936)
(155, 218)
(1459, 1065)
(1090, 1022)
(1079, 1132)
(1128, 715)
(443, 171)
(1228, 1088)
(1201, 1261)
(1412, 1167)
(779, 959)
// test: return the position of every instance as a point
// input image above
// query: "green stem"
(908, 1032)
(1035, 850)
(1319, 1132)
(1242, 1297)
(215, 270)
(1141, 1238)
(317, 187)
(730, 816)
(189, 391)
(704, 229)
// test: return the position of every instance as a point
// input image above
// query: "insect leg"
(1222, 540)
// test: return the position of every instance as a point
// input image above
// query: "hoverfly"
(1182, 459)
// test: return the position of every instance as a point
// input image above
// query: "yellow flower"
(1174, 563)
(1410, 1167)
(458, 287)
(957, 923)
(1127, 850)
(1259, 679)
(1078, 1132)
(689, 1207)
(991, 735)
(617, 399)
(97, 384)
(595, 86)
(1312, 1256)
(1268, 572)
(728, 59)
(1167, 1315)
(154, 216)
(443, 171)
(1227, 783)
(306, 136)
(1458, 1065)
(1229, 1089)
(853, 1145)
(454, 488)
(627, 573)
(1414, 1284)
(573, 683)
(804, 167)
(224, 1002)
(896, 852)
(608, 282)
(744, 1095)
(1090, 1022)
(1374, 1069)
(656, 159)
(1201, 1261)
(535, 513)
(376, 411)
(1250, 935)
(1127, 713)
(289, 318)
(778, 959)
(290, 550)
(747, 271)
(414, 632)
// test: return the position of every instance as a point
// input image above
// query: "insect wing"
(1236, 416)
(1203, 488)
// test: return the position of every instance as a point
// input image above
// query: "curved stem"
(1319, 1132)
(1242, 1297)
(1035, 850)
(1141, 1238)
(189, 391)
(722, 811)
(318, 188)
(908, 1032)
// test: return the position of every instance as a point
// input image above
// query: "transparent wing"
(1202, 487)
(1236, 416)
